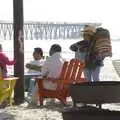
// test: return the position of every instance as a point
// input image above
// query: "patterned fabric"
(103, 48)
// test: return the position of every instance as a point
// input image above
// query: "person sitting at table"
(51, 69)
(4, 61)
(34, 67)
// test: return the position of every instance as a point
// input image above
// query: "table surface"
(36, 74)
(11, 78)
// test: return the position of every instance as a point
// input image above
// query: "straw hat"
(89, 28)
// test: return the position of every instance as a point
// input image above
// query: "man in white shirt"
(52, 67)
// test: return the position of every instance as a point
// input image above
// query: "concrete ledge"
(90, 113)
(96, 92)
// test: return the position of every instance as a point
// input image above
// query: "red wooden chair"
(71, 73)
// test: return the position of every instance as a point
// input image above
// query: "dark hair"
(38, 50)
(56, 48)
(102, 33)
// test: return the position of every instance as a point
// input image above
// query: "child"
(34, 67)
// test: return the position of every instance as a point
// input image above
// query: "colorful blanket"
(103, 48)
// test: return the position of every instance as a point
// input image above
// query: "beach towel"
(102, 48)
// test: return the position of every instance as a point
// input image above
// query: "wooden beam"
(18, 50)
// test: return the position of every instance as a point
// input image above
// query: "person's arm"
(7, 61)
(74, 47)
(79, 45)
(33, 67)
(44, 69)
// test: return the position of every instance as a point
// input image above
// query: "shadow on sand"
(54, 106)
(6, 116)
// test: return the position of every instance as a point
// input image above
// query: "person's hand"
(83, 61)
(28, 66)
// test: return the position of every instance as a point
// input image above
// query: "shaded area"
(6, 116)
(93, 113)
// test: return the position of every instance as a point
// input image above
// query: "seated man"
(51, 68)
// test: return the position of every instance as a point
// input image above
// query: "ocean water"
(29, 45)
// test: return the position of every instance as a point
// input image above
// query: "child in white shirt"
(34, 66)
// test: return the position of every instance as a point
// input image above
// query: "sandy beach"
(53, 111)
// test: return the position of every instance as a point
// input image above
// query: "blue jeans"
(30, 83)
(92, 74)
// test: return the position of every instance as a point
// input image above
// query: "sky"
(105, 12)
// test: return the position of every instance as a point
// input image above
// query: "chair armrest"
(39, 81)
(82, 80)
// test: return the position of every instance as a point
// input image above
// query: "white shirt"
(38, 63)
(51, 68)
